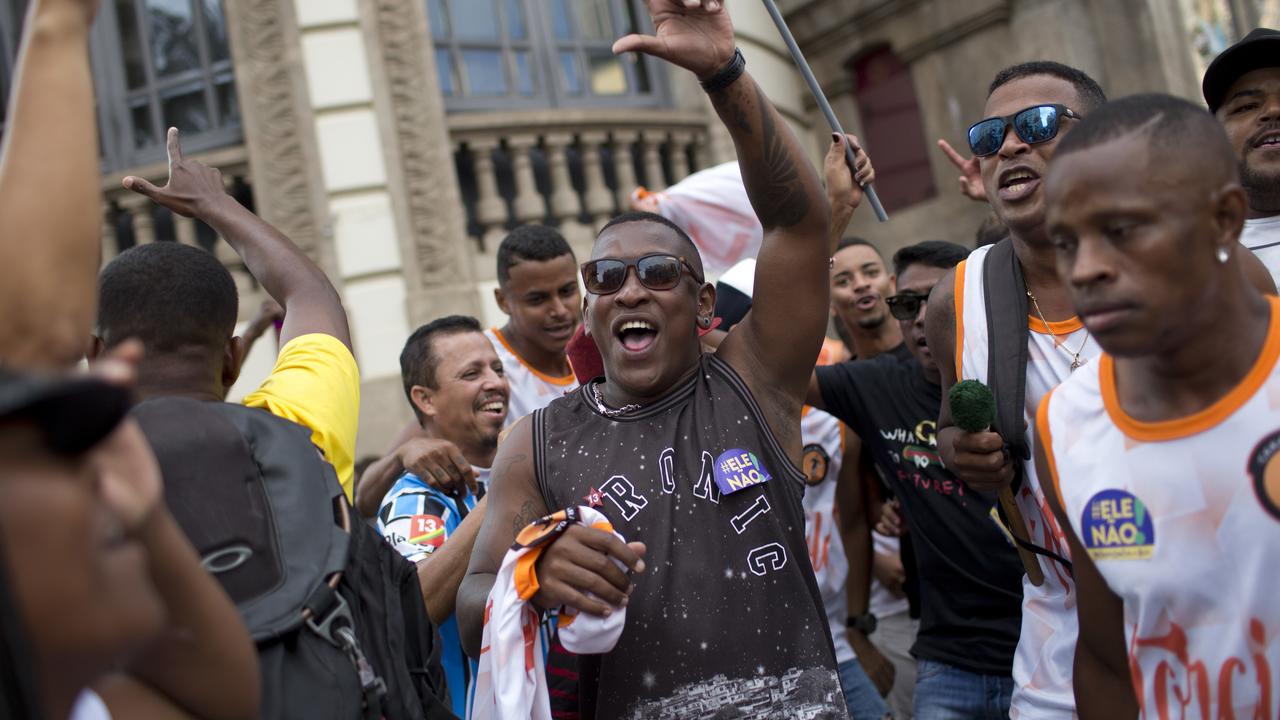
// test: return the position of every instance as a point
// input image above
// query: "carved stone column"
(278, 128)
(623, 166)
(419, 159)
(528, 204)
(564, 200)
(598, 199)
(651, 153)
(680, 142)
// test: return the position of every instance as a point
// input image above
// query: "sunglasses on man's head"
(1036, 124)
(605, 276)
(906, 305)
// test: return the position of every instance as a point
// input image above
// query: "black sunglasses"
(1036, 124)
(605, 276)
(906, 305)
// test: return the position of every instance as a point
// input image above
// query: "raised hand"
(193, 187)
(970, 177)
(844, 190)
(697, 35)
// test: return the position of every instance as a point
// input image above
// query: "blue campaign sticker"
(738, 469)
(1117, 526)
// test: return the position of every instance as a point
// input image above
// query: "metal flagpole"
(821, 99)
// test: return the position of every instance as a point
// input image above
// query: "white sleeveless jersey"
(530, 389)
(823, 438)
(1182, 519)
(1043, 662)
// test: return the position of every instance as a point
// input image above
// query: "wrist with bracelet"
(727, 74)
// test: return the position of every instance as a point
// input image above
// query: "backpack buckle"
(324, 627)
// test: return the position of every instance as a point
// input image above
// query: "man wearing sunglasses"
(694, 458)
(1029, 107)
(969, 573)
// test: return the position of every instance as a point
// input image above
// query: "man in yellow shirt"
(182, 304)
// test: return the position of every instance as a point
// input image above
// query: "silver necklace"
(1058, 342)
(605, 410)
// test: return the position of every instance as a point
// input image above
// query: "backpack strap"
(1005, 295)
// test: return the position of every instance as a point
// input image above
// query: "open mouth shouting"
(494, 405)
(1017, 184)
(637, 336)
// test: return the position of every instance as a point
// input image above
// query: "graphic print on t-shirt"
(726, 615)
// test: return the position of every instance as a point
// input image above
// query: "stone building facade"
(396, 141)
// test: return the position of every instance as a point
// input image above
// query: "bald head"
(1181, 138)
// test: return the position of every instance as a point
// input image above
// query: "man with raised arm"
(182, 304)
(692, 457)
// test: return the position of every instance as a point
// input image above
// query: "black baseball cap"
(1259, 49)
(74, 413)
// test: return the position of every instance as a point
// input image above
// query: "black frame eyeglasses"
(906, 305)
(656, 271)
(1033, 125)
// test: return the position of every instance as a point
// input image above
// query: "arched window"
(893, 129)
(505, 54)
(156, 63)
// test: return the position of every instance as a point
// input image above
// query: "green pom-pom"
(973, 407)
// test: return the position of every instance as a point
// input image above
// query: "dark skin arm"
(311, 303)
(1103, 685)
(580, 561)
(50, 196)
(976, 458)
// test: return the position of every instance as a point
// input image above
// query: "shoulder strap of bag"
(1005, 296)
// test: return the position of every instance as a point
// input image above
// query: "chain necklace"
(605, 410)
(1058, 342)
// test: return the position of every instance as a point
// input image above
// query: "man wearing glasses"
(970, 575)
(693, 458)
(1029, 107)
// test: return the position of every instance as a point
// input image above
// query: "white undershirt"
(1262, 236)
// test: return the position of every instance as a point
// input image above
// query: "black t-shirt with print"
(727, 617)
(969, 573)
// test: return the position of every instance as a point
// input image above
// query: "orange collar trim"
(1205, 419)
(564, 380)
(1059, 328)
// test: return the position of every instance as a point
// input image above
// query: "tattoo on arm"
(787, 201)
(526, 515)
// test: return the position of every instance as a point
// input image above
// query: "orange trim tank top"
(727, 615)
(1042, 664)
(1182, 520)
(530, 389)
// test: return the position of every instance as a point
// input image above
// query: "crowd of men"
(785, 524)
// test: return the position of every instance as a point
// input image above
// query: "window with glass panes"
(493, 54)
(156, 64)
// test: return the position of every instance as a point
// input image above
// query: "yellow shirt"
(316, 383)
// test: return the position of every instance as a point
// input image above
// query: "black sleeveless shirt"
(727, 612)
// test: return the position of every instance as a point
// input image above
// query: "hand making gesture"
(970, 176)
(192, 186)
(697, 35)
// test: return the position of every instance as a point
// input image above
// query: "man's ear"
(423, 399)
(501, 298)
(586, 317)
(893, 284)
(232, 361)
(96, 347)
(707, 300)
(1230, 208)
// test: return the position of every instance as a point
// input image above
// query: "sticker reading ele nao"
(738, 469)
(1117, 526)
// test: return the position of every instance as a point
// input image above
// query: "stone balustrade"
(573, 169)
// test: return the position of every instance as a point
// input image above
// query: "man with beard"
(454, 381)
(1162, 454)
(1242, 87)
(692, 457)
(538, 290)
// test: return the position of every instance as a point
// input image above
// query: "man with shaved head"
(1162, 455)
(693, 458)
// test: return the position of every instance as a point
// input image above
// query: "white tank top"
(823, 438)
(1182, 519)
(1046, 649)
(530, 389)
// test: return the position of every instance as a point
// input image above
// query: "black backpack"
(337, 614)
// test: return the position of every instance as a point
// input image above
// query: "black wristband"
(725, 76)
